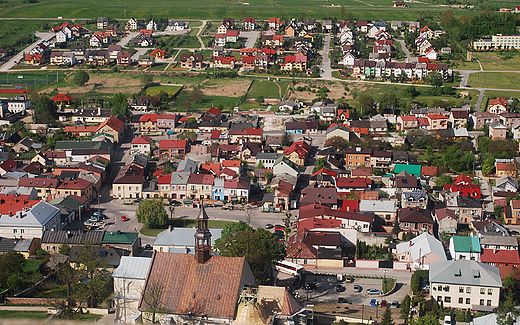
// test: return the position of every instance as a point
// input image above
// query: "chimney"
(10, 213)
(99, 111)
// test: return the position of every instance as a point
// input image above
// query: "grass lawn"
(158, 67)
(388, 284)
(32, 265)
(87, 317)
(498, 80)
(186, 223)
(268, 89)
(465, 65)
(206, 54)
(500, 60)
(155, 90)
(195, 23)
(36, 315)
(194, 32)
(20, 33)
(209, 101)
(52, 291)
(504, 94)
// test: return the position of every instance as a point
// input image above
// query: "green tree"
(415, 282)
(68, 276)
(146, 79)
(45, 111)
(366, 103)
(59, 135)
(320, 163)
(387, 317)
(337, 143)
(187, 135)
(286, 139)
(80, 78)
(120, 106)
(425, 320)
(268, 176)
(10, 263)
(259, 99)
(498, 211)
(434, 78)
(405, 308)
(260, 247)
(383, 194)
(260, 165)
(192, 120)
(396, 228)
(443, 179)
(97, 286)
(64, 249)
(152, 213)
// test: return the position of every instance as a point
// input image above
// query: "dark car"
(383, 303)
(341, 300)
(309, 286)
(339, 288)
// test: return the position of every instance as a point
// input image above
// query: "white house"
(465, 248)
(432, 54)
(421, 251)
(348, 59)
(152, 25)
(129, 280)
(141, 144)
(465, 285)
(61, 37)
(30, 222)
(176, 25)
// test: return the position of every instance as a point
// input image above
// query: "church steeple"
(202, 236)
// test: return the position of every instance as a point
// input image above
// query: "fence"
(27, 80)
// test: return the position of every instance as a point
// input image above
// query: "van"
(339, 277)
(447, 320)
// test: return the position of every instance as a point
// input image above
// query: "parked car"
(447, 320)
(339, 288)
(341, 300)
(357, 288)
(147, 247)
(269, 226)
(373, 302)
(309, 286)
(383, 303)
(349, 279)
(394, 304)
(372, 292)
(136, 201)
(124, 218)
(94, 219)
(278, 227)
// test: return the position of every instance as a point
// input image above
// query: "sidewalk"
(25, 308)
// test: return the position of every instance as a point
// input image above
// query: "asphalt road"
(18, 57)
(125, 40)
(325, 62)
(404, 48)
(251, 36)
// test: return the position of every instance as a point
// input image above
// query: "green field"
(503, 94)
(202, 9)
(497, 80)
(155, 90)
(465, 65)
(267, 89)
(194, 32)
(195, 24)
(158, 67)
(36, 315)
(498, 61)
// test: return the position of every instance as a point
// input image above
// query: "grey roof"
(499, 240)
(132, 267)
(7, 244)
(180, 178)
(182, 237)
(31, 191)
(377, 206)
(490, 319)
(111, 256)
(23, 245)
(268, 155)
(469, 202)
(506, 178)
(422, 245)
(37, 217)
(465, 272)
(139, 159)
(76, 237)
(187, 165)
(286, 178)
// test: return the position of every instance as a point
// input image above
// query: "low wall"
(367, 264)
(97, 311)
(32, 301)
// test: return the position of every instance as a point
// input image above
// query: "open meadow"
(202, 9)
(496, 80)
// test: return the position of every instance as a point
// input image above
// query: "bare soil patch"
(105, 85)
(337, 90)
(231, 88)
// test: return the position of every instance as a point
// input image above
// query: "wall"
(372, 239)
(366, 264)
(31, 301)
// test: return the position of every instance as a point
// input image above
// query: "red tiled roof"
(210, 166)
(498, 101)
(314, 222)
(350, 205)
(227, 171)
(215, 134)
(237, 183)
(251, 132)
(39, 182)
(8, 165)
(62, 98)
(443, 213)
(436, 116)
(205, 179)
(506, 166)
(142, 140)
(148, 118)
(325, 171)
(14, 205)
(500, 256)
(170, 144)
(166, 117)
(80, 129)
(164, 179)
(210, 289)
(408, 118)
(224, 59)
(231, 163)
(113, 123)
(353, 182)
(429, 170)
(78, 184)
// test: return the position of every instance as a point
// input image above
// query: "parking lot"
(326, 290)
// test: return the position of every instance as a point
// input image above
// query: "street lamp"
(99, 205)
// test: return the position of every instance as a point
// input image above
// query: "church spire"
(202, 236)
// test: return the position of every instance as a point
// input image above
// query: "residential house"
(384, 209)
(498, 131)
(224, 62)
(338, 130)
(458, 118)
(102, 22)
(131, 24)
(480, 119)
(249, 23)
(437, 121)
(465, 248)
(191, 61)
(122, 240)
(506, 169)
(124, 58)
(506, 183)
(141, 144)
(170, 148)
(465, 285)
(166, 121)
(357, 157)
(112, 126)
(148, 123)
(414, 199)
(420, 251)
(406, 122)
(509, 118)
(52, 240)
(44, 185)
(497, 106)
(27, 219)
(446, 219)
(237, 189)
(128, 183)
(199, 186)
(274, 23)
(415, 220)
(267, 159)
(326, 196)
(176, 25)
(145, 61)
(285, 166)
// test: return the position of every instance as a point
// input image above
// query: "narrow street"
(325, 70)
(404, 48)
(18, 57)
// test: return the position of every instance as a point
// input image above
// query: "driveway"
(125, 40)
(251, 38)
(405, 49)
(18, 57)
(325, 62)
(139, 51)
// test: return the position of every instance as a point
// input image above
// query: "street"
(325, 70)
(18, 57)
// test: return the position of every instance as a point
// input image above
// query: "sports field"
(216, 9)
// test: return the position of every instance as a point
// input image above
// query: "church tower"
(202, 237)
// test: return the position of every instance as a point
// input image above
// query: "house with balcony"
(437, 122)
(415, 220)
(168, 149)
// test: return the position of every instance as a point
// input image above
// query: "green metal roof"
(64, 145)
(119, 237)
(68, 201)
(287, 161)
(414, 170)
(464, 244)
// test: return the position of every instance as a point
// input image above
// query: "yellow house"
(309, 36)
(114, 127)
(148, 123)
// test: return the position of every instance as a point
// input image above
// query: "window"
(490, 291)
(439, 288)
(439, 298)
(447, 288)
(461, 300)
(468, 289)
(482, 302)
(14, 231)
(461, 289)
(482, 291)
(130, 188)
(489, 302)
(21, 231)
(467, 301)
(447, 299)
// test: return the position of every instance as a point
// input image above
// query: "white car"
(447, 320)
